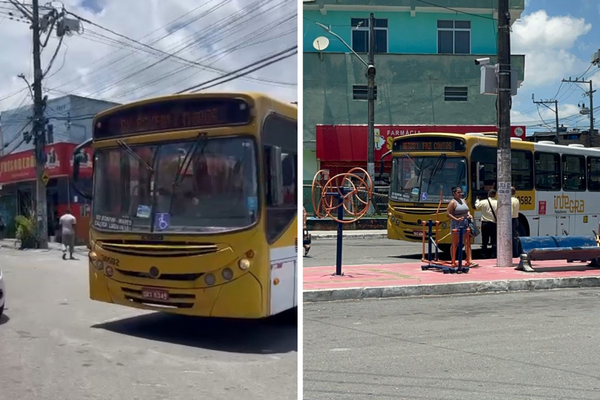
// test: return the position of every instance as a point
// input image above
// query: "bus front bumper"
(240, 298)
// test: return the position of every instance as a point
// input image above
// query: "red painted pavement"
(406, 274)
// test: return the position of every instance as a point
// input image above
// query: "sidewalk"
(402, 280)
(353, 234)
(10, 244)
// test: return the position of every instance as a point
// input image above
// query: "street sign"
(45, 178)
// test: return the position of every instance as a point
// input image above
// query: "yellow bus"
(555, 184)
(194, 205)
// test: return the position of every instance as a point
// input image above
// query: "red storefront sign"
(18, 167)
(349, 142)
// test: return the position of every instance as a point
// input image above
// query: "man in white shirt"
(67, 223)
(488, 209)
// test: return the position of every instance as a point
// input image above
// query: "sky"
(558, 39)
(219, 35)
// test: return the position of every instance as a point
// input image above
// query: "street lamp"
(371, 71)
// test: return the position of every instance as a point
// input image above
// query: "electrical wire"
(270, 60)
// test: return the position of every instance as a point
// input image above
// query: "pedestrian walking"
(514, 206)
(459, 214)
(488, 209)
(68, 223)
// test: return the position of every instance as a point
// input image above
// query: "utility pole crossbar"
(590, 93)
(555, 111)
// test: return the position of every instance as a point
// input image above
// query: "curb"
(519, 285)
(333, 235)
(11, 245)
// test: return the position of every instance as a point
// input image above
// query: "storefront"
(18, 189)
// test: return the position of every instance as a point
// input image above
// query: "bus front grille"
(420, 211)
(165, 249)
(168, 277)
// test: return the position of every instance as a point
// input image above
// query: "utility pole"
(504, 235)
(371, 97)
(591, 94)
(544, 102)
(38, 132)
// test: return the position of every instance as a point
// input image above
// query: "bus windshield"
(421, 179)
(205, 185)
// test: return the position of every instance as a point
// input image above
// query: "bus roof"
(492, 140)
(287, 109)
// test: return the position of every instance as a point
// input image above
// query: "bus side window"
(593, 174)
(279, 139)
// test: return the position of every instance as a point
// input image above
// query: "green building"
(424, 54)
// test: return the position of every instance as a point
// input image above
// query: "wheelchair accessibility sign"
(162, 221)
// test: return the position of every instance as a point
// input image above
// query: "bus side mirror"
(78, 157)
(276, 176)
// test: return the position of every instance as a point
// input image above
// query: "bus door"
(573, 200)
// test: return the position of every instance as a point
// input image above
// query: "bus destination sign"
(170, 115)
(429, 144)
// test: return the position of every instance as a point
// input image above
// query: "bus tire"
(523, 228)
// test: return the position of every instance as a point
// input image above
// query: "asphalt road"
(55, 343)
(530, 345)
(362, 251)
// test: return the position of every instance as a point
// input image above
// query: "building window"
(454, 37)
(361, 92)
(360, 35)
(456, 93)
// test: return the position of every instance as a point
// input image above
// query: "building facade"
(69, 124)
(424, 55)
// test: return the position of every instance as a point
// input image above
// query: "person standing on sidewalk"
(515, 205)
(68, 223)
(488, 209)
(458, 212)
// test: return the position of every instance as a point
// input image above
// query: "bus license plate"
(155, 294)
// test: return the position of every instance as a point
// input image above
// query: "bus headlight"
(244, 264)
(227, 274)
(109, 271)
(210, 279)
(98, 264)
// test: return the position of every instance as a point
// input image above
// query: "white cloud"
(228, 35)
(546, 42)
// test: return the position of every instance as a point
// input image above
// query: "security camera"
(482, 61)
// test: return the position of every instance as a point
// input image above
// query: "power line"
(164, 53)
(271, 60)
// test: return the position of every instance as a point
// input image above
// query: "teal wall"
(406, 34)
(410, 91)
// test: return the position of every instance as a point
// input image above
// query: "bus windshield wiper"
(411, 160)
(189, 156)
(135, 155)
(438, 166)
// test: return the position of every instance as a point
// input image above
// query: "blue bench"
(570, 248)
